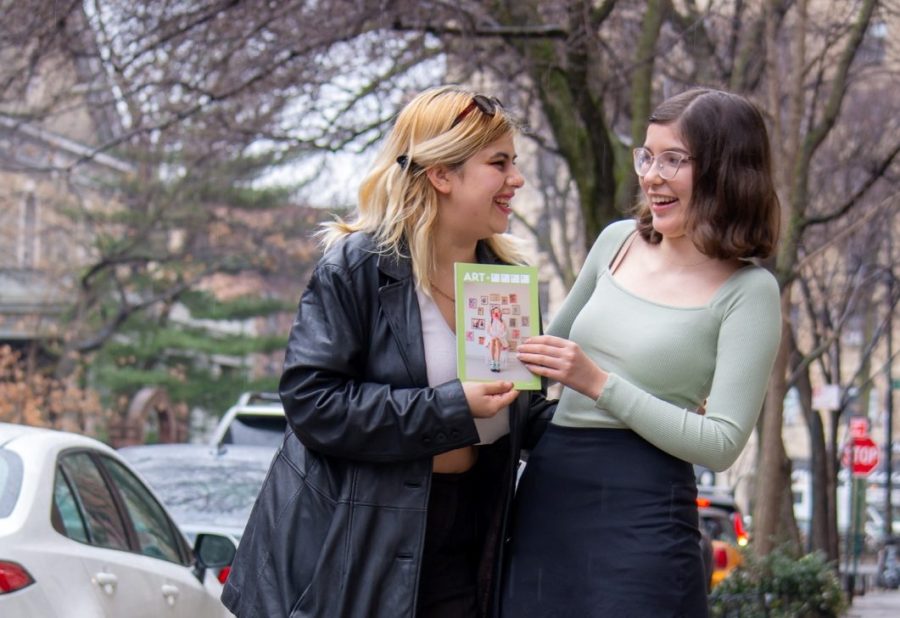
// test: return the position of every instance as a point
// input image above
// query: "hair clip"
(402, 160)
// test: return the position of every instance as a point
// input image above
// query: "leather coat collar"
(401, 307)
(400, 267)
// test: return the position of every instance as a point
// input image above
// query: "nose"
(515, 178)
(652, 176)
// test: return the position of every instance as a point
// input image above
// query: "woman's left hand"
(563, 361)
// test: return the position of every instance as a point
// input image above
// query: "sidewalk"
(875, 603)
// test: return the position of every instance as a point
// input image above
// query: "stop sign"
(864, 456)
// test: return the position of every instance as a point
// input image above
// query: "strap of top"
(622, 251)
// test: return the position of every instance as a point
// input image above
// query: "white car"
(82, 536)
(257, 419)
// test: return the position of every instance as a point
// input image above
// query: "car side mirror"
(213, 551)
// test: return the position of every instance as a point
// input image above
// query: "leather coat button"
(441, 437)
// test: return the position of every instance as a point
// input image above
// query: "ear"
(439, 177)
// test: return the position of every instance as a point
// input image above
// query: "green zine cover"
(496, 309)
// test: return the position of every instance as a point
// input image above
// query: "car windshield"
(10, 481)
(717, 524)
(203, 490)
(256, 431)
(875, 519)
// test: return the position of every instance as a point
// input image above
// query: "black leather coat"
(338, 528)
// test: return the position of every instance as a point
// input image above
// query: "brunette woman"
(668, 316)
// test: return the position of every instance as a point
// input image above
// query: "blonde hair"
(397, 203)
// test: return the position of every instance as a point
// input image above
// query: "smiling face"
(475, 201)
(668, 199)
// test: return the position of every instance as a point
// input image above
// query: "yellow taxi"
(723, 524)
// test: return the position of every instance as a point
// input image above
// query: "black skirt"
(605, 525)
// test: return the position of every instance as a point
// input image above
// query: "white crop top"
(440, 364)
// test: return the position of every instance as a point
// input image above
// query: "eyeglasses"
(667, 163)
(487, 105)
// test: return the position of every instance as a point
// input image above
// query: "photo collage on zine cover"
(499, 311)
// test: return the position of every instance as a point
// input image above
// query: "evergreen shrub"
(780, 585)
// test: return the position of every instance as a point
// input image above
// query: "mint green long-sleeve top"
(664, 362)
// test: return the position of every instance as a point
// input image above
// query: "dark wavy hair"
(734, 209)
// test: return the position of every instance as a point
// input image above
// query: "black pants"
(453, 541)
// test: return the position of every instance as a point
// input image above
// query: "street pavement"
(875, 603)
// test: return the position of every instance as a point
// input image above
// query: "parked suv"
(257, 419)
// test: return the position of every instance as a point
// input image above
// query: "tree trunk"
(820, 534)
(832, 463)
(641, 99)
(773, 521)
(562, 75)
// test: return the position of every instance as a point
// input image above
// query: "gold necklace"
(443, 293)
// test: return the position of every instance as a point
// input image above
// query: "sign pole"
(889, 421)
(850, 543)
(861, 460)
(859, 507)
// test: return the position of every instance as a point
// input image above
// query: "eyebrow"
(675, 149)
(503, 155)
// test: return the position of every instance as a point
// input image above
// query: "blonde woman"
(383, 502)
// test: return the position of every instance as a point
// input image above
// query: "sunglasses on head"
(487, 105)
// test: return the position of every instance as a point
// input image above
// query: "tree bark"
(575, 113)
(774, 524)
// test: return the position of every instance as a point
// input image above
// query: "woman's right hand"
(485, 399)
(563, 361)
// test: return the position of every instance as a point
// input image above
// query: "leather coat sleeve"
(340, 382)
